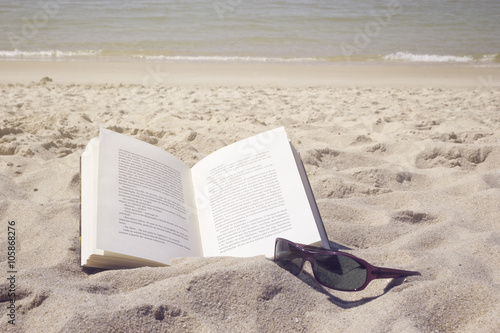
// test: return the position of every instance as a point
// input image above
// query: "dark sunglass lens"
(288, 257)
(339, 272)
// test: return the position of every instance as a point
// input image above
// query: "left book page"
(137, 204)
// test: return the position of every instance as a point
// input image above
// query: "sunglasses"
(332, 269)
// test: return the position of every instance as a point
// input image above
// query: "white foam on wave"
(223, 58)
(57, 54)
(102, 54)
(406, 56)
(44, 54)
(489, 57)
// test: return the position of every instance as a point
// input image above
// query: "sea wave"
(490, 58)
(145, 55)
(406, 56)
(223, 58)
(436, 58)
(46, 54)
(112, 54)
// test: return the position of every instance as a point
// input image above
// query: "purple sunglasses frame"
(372, 272)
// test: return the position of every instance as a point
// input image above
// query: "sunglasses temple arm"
(389, 273)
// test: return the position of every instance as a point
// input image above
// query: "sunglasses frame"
(372, 272)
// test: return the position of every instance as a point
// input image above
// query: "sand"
(404, 163)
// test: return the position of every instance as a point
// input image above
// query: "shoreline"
(254, 74)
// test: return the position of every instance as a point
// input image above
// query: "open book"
(142, 206)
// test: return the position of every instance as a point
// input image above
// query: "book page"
(145, 201)
(249, 193)
(88, 170)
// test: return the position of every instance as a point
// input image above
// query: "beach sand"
(404, 163)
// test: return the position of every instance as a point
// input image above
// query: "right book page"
(249, 193)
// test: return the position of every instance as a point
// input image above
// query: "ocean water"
(312, 31)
